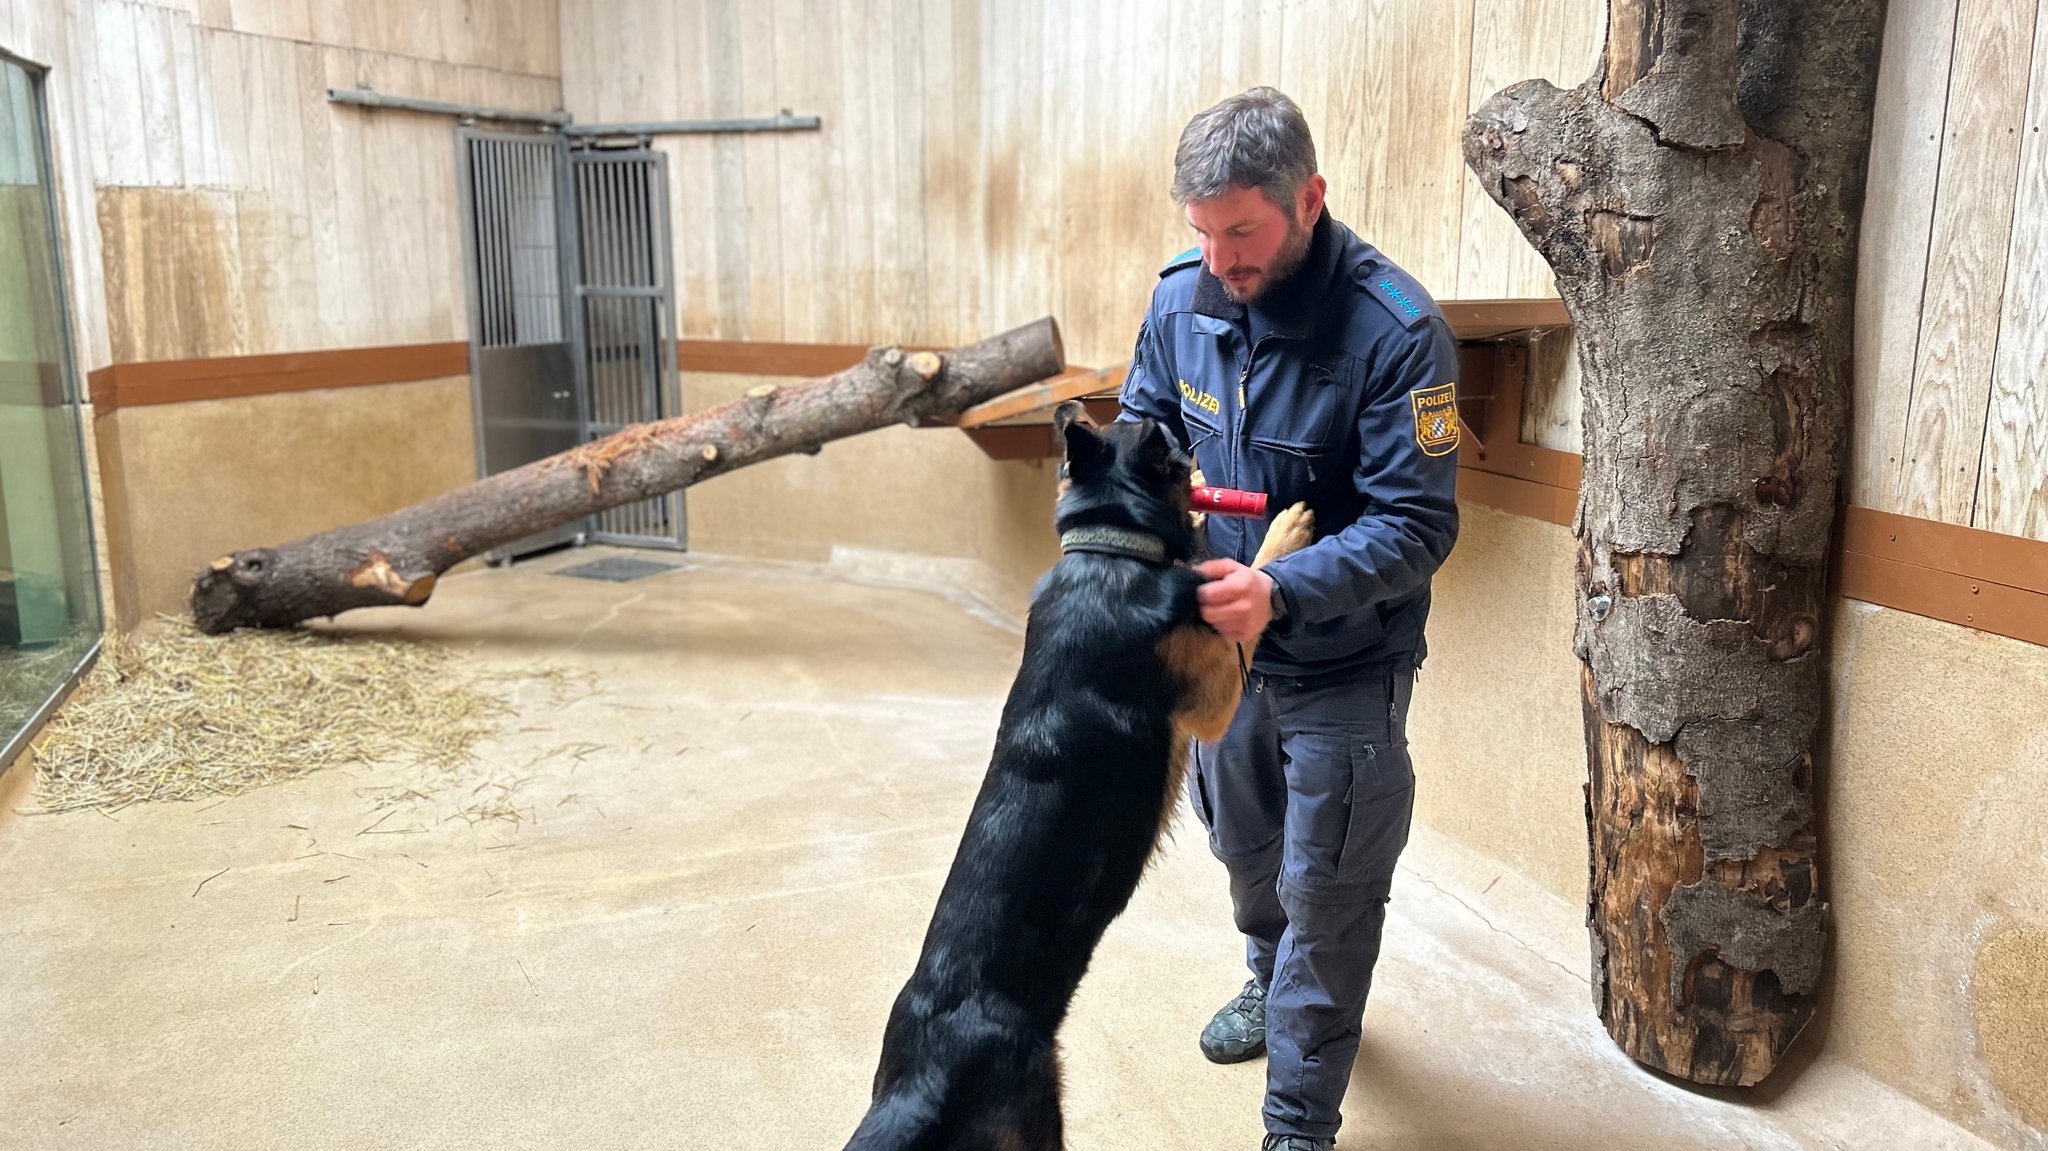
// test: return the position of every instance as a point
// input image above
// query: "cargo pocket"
(1320, 787)
(1298, 466)
(1382, 802)
(1200, 429)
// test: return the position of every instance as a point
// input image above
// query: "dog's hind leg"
(1030, 1120)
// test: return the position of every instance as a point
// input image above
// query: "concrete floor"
(695, 941)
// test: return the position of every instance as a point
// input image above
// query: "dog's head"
(1128, 475)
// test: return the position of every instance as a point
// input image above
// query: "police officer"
(1296, 360)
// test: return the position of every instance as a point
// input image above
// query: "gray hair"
(1256, 139)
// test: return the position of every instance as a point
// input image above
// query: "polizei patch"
(1436, 418)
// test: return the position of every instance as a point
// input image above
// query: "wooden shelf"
(1004, 427)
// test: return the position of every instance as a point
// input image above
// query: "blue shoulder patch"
(1399, 295)
(1186, 259)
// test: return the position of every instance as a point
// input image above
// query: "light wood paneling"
(1551, 404)
(241, 213)
(521, 36)
(1554, 40)
(1898, 215)
(1973, 201)
(985, 163)
(2012, 495)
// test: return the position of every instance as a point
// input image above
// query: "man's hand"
(1237, 601)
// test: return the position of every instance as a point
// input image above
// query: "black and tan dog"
(1119, 672)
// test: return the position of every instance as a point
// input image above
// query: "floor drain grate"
(617, 569)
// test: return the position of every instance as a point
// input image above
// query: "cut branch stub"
(397, 559)
(1698, 201)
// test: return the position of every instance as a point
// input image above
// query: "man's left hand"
(1237, 601)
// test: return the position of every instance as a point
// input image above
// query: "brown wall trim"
(1557, 505)
(1983, 580)
(230, 377)
(764, 358)
(1469, 320)
(2013, 561)
(1977, 579)
(770, 358)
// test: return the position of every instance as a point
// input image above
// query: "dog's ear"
(1156, 454)
(1086, 449)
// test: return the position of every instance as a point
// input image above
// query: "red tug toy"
(1228, 502)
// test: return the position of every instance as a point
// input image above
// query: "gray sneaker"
(1297, 1143)
(1238, 1032)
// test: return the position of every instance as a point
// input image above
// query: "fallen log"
(396, 559)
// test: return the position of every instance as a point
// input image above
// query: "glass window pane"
(49, 591)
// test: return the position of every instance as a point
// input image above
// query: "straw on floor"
(178, 715)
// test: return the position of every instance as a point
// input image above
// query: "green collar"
(1114, 541)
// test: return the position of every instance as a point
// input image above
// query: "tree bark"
(397, 559)
(1698, 200)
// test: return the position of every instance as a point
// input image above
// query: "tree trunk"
(1698, 201)
(396, 559)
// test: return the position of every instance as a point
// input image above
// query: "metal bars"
(625, 358)
(515, 235)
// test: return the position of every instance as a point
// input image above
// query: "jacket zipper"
(1237, 439)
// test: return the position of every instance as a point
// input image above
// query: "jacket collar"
(1291, 307)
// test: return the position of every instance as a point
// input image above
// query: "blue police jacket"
(1339, 388)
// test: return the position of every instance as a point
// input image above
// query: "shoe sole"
(1226, 1058)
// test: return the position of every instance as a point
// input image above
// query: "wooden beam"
(1539, 501)
(762, 358)
(1492, 319)
(2013, 561)
(228, 377)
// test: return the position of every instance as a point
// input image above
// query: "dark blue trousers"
(1307, 801)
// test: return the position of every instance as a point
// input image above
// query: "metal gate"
(551, 367)
(521, 370)
(622, 318)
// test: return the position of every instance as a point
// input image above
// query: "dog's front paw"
(1292, 530)
(1195, 480)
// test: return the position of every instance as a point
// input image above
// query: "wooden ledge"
(1492, 319)
(228, 377)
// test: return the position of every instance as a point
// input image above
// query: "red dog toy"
(1228, 502)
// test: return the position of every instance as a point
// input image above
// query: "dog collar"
(1115, 542)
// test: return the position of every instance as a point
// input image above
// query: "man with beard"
(1292, 358)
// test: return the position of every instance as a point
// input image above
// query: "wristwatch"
(1279, 601)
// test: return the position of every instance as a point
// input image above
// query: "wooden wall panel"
(1898, 217)
(984, 163)
(2012, 492)
(520, 36)
(1426, 166)
(1551, 403)
(1554, 40)
(240, 212)
(752, 163)
(1973, 201)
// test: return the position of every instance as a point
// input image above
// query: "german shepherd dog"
(1119, 672)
